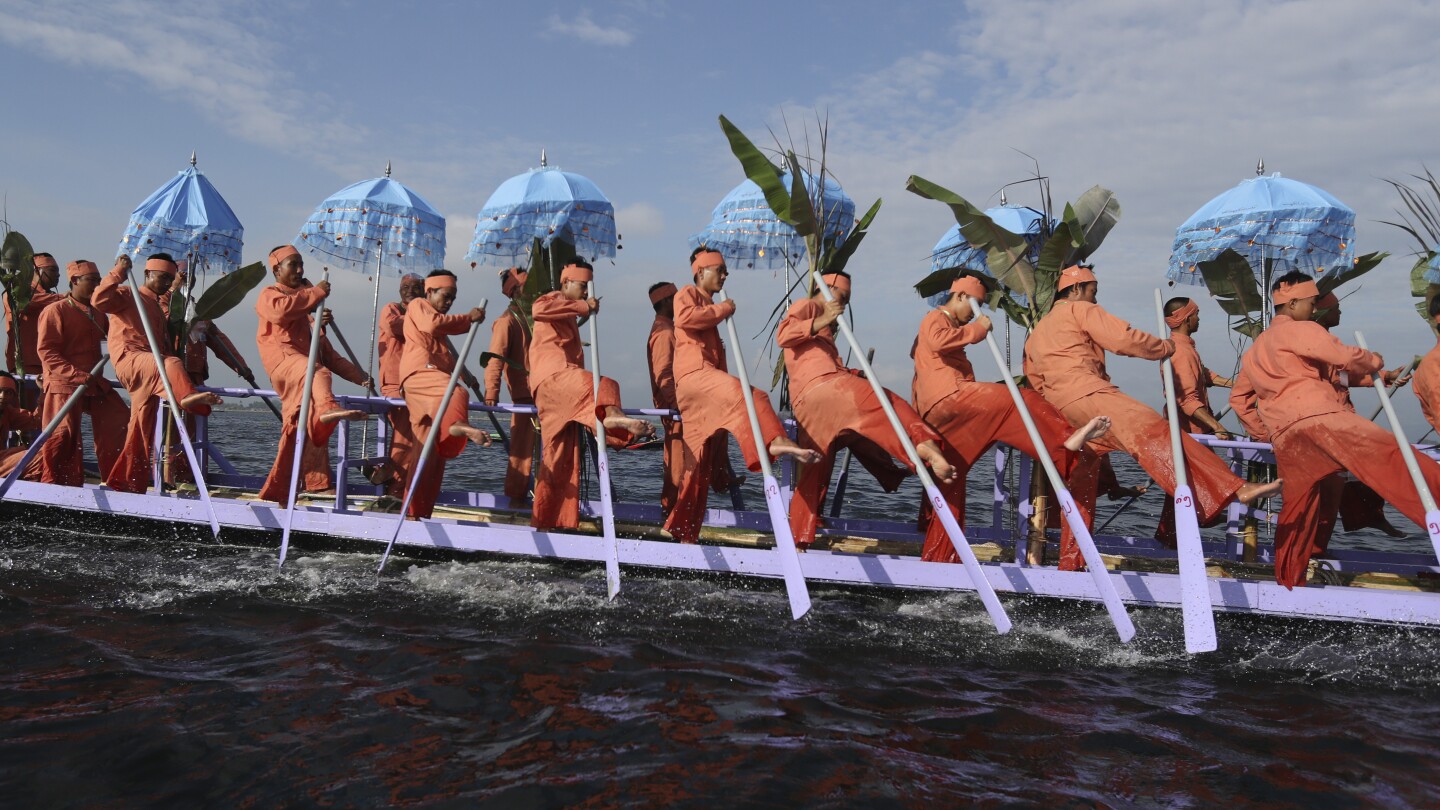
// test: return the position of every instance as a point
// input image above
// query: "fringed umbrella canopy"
(380, 215)
(545, 204)
(188, 219)
(748, 234)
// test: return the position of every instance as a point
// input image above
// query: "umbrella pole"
(432, 438)
(306, 401)
(374, 331)
(1195, 604)
(602, 462)
(1427, 499)
(50, 426)
(937, 501)
(174, 405)
(795, 586)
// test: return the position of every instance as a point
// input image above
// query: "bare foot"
(200, 398)
(1250, 493)
(1092, 430)
(784, 447)
(474, 434)
(935, 460)
(338, 414)
(638, 428)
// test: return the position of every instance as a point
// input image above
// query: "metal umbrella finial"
(543, 161)
(1002, 196)
(192, 157)
(1260, 166)
(387, 168)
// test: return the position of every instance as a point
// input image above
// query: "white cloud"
(582, 27)
(640, 221)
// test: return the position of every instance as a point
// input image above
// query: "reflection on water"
(157, 670)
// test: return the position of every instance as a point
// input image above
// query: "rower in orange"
(42, 294)
(1427, 374)
(391, 346)
(565, 396)
(972, 416)
(283, 338)
(68, 339)
(1293, 365)
(1065, 363)
(710, 399)
(135, 364)
(836, 408)
(425, 369)
(510, 345)
(13, 418)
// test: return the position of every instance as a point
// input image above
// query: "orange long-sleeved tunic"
(425, 369)
(1427, 386)
(68, 340)
(40, 300)
(510, 339)
(390, 345)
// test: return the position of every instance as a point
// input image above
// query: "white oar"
(607, 511)
(305, 403)
(1427, 499)
(937, 501)
(779, 517)
(1068, 507)
(49, 429)
(433, 436)
(173, 403)
(1195, 605)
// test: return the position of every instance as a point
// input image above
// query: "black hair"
(4, 373)
(702, 249)
(1174, 304)
(1073, 290)
(1434, 307)
(440, 272)
(1292, 277)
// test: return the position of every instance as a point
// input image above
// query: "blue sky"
(1166, 104)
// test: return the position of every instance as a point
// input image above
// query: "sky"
(1166, 104)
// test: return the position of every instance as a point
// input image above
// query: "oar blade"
(607, 517)
(998, 616)
(795, 586)
(1196, 607)
(1096, 565)
(1432, 526)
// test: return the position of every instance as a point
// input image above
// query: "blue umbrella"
(188, 219)
(545, 204)
(377, 219)
(1432, 268)
(1296, 225)
(953, 251)
(748, 234)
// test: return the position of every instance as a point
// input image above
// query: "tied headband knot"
(45, 261)
(970, 286)
(661, 293)
(1292, 292)
(1072, 275)
(1181, 315)
(696, 266)
(280, 254)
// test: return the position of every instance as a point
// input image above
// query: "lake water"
(142, 670)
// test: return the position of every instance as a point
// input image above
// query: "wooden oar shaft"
(433, 437)
(50, 426)
(306, 402)
(172, 402)
(1167, 377)
(1427, 499)
(983, 589)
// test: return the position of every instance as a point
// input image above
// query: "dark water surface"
(166, 671)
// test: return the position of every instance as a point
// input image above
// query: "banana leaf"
(1096, 211)
(802, 208)
(1231, 281)
(1052, 259)
(760, 171)
(837, 259)
(1250, 327)
(227, 291)
(1362, 265)
(17, 268)
(1005, 251)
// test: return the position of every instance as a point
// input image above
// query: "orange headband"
(79, 269)
(574, 272)
(512, 280)
(661, 293)
(282, 253)
(1292, 292)
(969, 285)
(1072, 275)
(1181, 315)
(45, 261)
(1327, 301)
(160, 264)
(839, 282)
(439, 283)
(696, 267)
(8, 383)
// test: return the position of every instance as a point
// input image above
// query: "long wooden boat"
(1356, 586)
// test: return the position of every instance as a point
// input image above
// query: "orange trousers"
(841, 410)
(288, 379)
(1142, 433)
(132, 471)
(61, 457)
(403, 450)
(1310, 453)
(423, 391)
(711, 404)
(566, 399)
(974, 418)
(522, 455)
